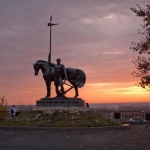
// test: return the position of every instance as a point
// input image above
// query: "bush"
(3, 108)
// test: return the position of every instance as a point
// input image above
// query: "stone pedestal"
(61, 102)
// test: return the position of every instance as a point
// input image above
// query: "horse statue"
(76, 77)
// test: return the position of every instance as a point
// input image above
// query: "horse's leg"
(62, 90)
(57, 91)
(76, 92)
(48, 88)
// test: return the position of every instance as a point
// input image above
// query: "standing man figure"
(60, 73)
(13, 111)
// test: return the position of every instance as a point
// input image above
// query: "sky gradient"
(93, 35)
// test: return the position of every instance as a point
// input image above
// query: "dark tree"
(142, 47)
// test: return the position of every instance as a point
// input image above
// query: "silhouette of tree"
(142, 47)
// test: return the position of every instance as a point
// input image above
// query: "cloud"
(118, 89)
(98, 84)
(114, 53)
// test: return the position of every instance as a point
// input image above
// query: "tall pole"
(49, 56)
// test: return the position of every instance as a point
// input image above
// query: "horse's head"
(36, 68)
(43, 65)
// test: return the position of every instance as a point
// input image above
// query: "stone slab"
(61, 102)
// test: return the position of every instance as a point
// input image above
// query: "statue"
(58, 73)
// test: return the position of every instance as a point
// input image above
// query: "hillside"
(63, 117)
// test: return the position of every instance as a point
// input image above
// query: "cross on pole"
(49, 56)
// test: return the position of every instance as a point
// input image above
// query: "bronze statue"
(58, 73)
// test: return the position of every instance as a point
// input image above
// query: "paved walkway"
(134, 138)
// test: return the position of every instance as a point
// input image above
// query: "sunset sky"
(93, 35)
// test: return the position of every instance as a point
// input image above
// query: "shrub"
(3, 108)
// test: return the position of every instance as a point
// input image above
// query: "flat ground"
(134, 138)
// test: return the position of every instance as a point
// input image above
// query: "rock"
(73, 117)
(97, 121)
(71, 110)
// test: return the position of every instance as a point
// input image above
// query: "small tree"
(142, 47)
(3, 108)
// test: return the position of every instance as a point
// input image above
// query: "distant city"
(139, 106)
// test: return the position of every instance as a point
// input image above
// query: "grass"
(36, 118)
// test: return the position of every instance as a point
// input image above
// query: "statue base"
(61, 102)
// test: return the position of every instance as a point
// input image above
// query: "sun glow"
(91, 93)
(113, 88)
(115, 92)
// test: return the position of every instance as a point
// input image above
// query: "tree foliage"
(142, 47)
